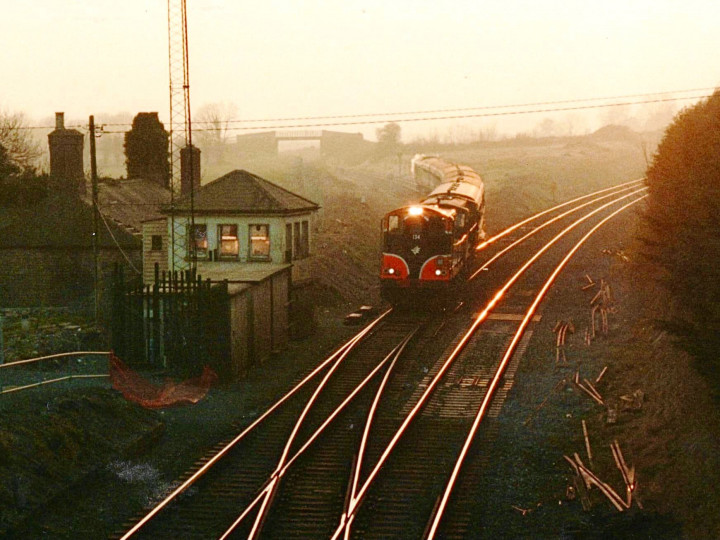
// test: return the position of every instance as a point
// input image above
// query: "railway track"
(387, 464)
(231, 477)
(395, 508)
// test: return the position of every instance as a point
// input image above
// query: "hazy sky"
(312, 57)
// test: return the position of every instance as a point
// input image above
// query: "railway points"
(462, 387)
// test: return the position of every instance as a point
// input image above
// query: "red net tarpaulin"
(153, 396)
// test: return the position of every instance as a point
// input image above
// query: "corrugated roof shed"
(241, 192)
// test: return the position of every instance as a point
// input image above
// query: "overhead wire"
(452, 117)
(483, 107)
(387, 116)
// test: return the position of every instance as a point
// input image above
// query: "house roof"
(241, 192)
(130, 202)
(60, 220)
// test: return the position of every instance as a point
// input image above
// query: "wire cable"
(138, 272)
(433, 111)
(451, 117)
(486, 107)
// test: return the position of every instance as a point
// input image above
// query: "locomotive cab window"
(392, 224)
(460, 220)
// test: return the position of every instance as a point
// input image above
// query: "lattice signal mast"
(182, 226)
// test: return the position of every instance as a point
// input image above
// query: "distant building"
(336, 143)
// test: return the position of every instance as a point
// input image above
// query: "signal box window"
(305, 238)
(260, 242)
(198, 241)
(229, 243)
(156, 244)
(288, 242)
(296, 239)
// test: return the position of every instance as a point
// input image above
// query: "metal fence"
(180, 322)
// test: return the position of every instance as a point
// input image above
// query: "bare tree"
(388, 138)
(486, 132)
(546, 128)
(211, 122)
(210, 131)
(22, 148)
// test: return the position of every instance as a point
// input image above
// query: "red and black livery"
(428, 246)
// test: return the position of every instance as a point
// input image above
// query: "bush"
(683, 228)
(146, 149)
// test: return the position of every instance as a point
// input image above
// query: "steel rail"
(455, 353)
(541, 227)
(506, 359)
(366, 430)
(200, 472)
(275, 478)
(510, 229)
(394, 354)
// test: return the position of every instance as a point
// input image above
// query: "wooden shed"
(258, 305)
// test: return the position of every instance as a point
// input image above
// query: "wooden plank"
(509, 317)
(587, 444)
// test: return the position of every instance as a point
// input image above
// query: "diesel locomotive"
(428, 246)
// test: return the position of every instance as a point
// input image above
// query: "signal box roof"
(241, 192)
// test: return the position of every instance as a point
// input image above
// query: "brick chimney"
(189, 160)
(66, 153)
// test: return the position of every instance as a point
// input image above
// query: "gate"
(179, 322)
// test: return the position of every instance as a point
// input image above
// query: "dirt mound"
(48, 445)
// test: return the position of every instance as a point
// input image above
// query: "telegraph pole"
(93, 178)
(2, 344)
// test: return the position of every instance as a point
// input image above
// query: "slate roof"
(241, 192)
(130, 202)
(60, 220)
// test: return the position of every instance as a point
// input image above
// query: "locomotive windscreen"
(417, 238)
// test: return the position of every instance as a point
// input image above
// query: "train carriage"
(428, 246)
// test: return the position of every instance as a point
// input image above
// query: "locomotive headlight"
(415, 211)
(439, 272)
(390, 271)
